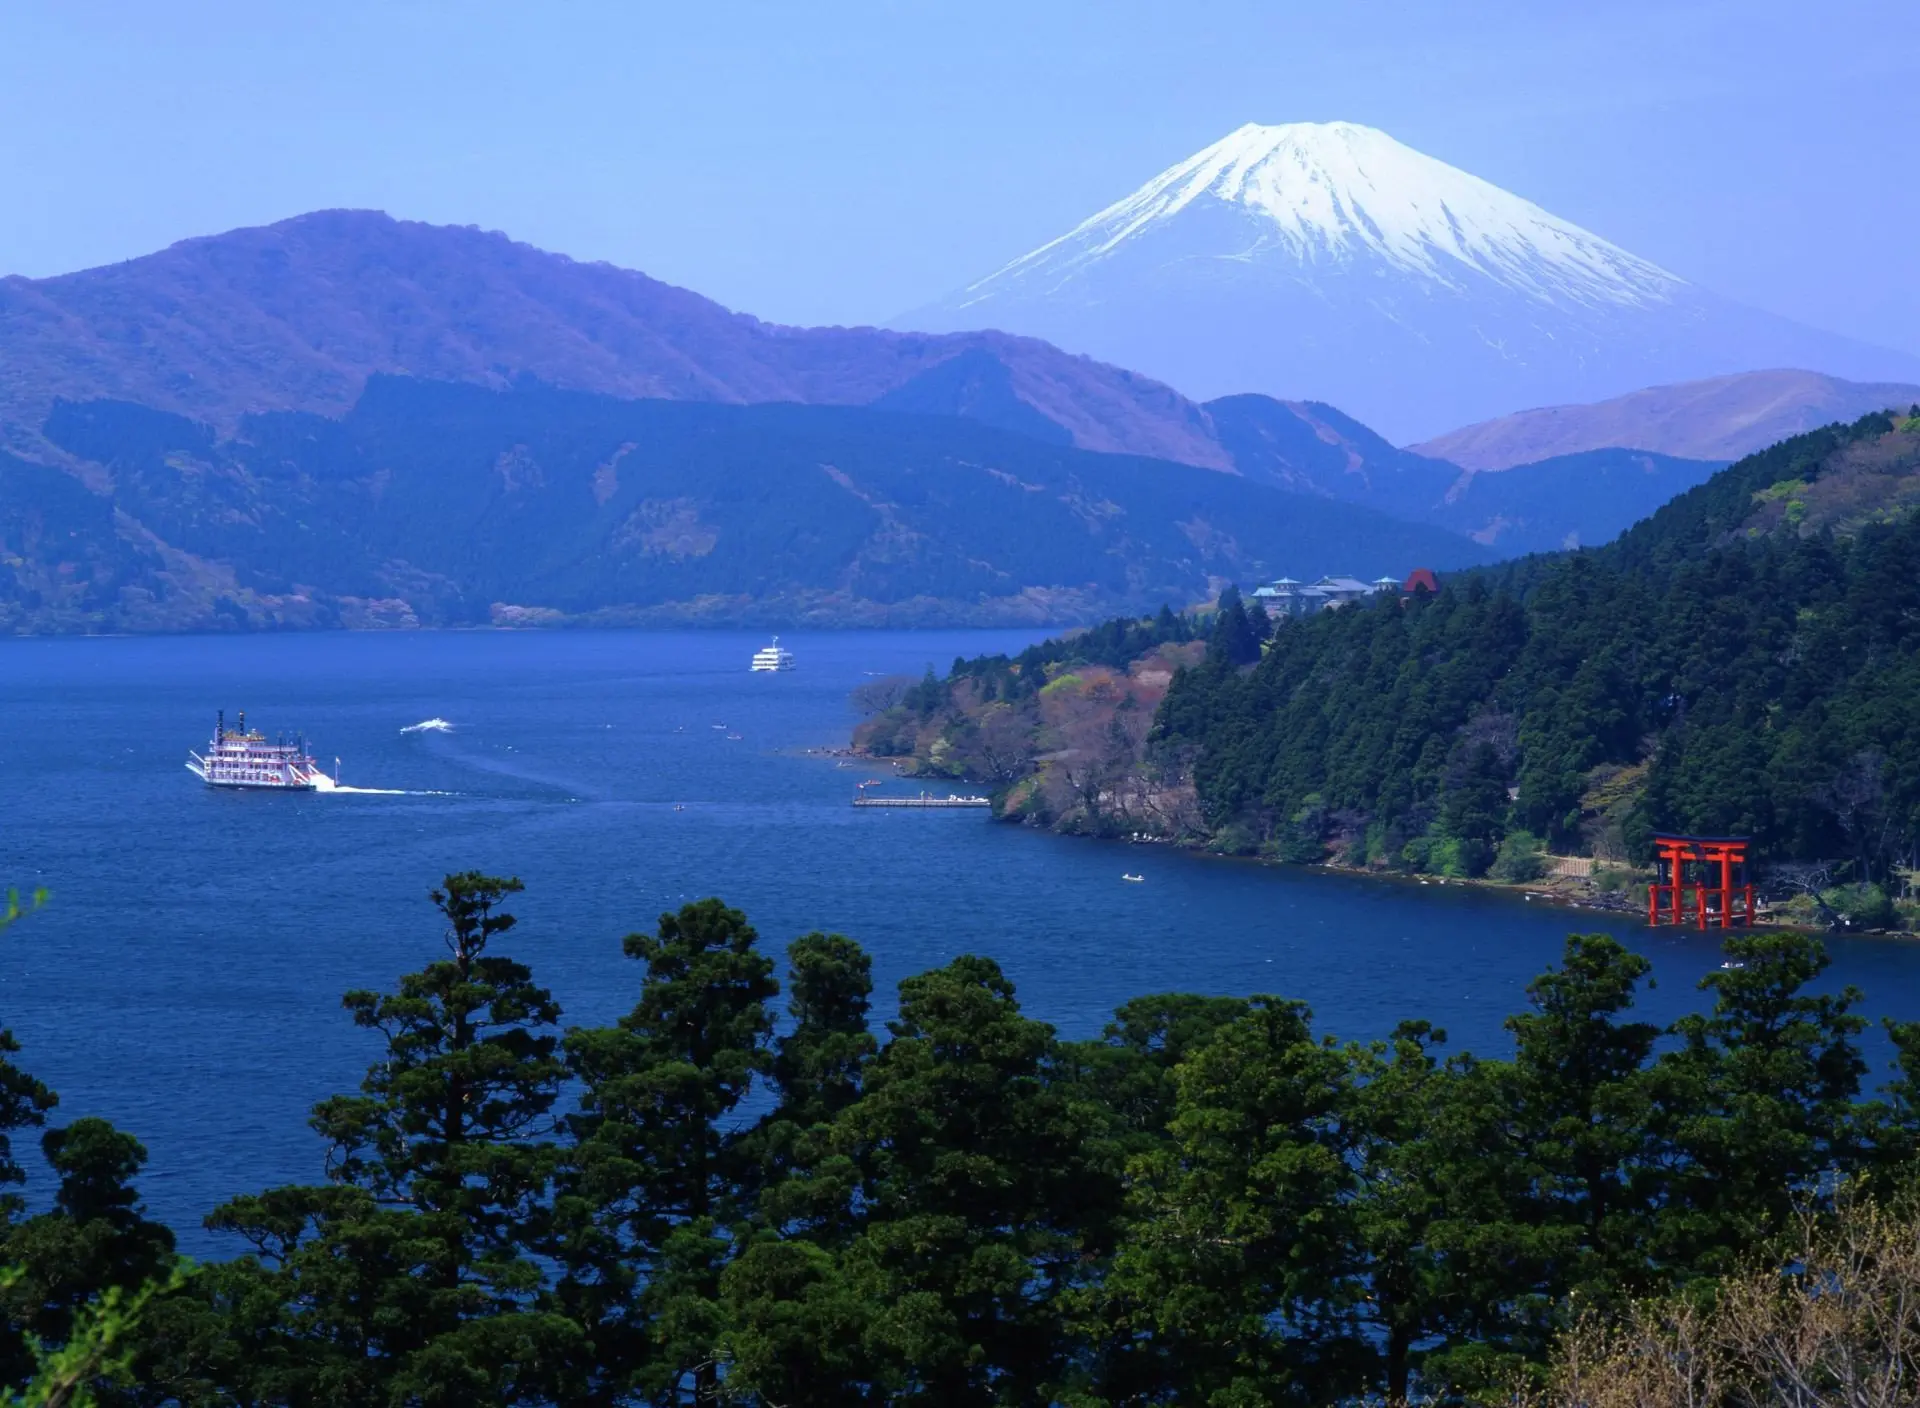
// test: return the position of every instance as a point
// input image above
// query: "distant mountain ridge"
(1719, 418)
(433, 503)
(1329, 262)
(297, 316)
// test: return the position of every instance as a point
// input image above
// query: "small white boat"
(1132, 879)
(772, 657)
(1732, 965)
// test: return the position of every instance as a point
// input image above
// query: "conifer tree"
(24, 1101)
(1582, 1100)
(658, 1182)
(95, 1236)
(412, 1276)
(1756, 1107)
(818, 1065)
(973, 1185)
(1406, 1148)
(1239, 1242)
(1233, 642)
(795, 1325)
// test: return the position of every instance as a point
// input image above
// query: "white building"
(1288, 598)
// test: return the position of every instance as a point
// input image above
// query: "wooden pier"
(861, 799)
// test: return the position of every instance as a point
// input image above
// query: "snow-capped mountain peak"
(1324, 261)
(1318, 192)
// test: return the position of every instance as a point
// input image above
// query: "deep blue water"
(185, 980)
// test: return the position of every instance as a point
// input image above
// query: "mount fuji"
(1329, 262)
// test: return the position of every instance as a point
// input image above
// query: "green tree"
(414, 1276)
(658, 1185)
(1757, 1104)
(1475, 809)
(24, 1101)
(1435, 1253)
(94, 1238)
(1233, 641)
(817, 1068)
(1227, 1287)
(1582, 1104)
(973, 1188)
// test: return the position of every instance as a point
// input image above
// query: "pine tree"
(658, 1185)
(413, 1275)
(1581, 1099)
(1233, 642)
(1239, 1236)
(973, 1185)
(24, 1101)
(1756, 1107)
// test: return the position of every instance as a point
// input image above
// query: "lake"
(185, 980)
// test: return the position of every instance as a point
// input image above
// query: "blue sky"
(840, 162)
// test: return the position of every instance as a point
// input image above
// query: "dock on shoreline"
(952, 799)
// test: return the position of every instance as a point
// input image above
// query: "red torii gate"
(1676, 897)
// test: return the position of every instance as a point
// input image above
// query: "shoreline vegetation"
(1026, 790)
(741, 1193)
(1742, 663)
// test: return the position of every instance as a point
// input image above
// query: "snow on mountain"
(1327, 261)
(1328, 192)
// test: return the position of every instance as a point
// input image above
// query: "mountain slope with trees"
(1744, 662)
(441, 504)
(298, 316)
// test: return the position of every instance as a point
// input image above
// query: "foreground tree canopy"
(730, 1197)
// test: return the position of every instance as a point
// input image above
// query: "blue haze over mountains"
(203, 437)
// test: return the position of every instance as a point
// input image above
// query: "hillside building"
(1288, 598)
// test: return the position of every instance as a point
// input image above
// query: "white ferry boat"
(239, 757)
(773, 657)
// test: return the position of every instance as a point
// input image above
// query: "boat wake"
(429, 726)
(323, 783)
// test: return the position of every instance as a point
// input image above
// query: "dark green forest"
(1744, 662)
(741, 1193)
(439, 504)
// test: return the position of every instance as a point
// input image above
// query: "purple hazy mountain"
(1329, 262)
(297, 316)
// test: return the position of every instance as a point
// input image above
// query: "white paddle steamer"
(240, 757)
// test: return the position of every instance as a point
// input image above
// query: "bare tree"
(1810, 878)
(1831, 1322)
(1000, 746)
(1857, 797)
(878, 696)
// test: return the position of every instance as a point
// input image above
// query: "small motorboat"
(1733, 965)
(1132, 879)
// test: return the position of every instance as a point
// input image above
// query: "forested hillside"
(440, 504)
(727, 1198)
(1745, 662)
